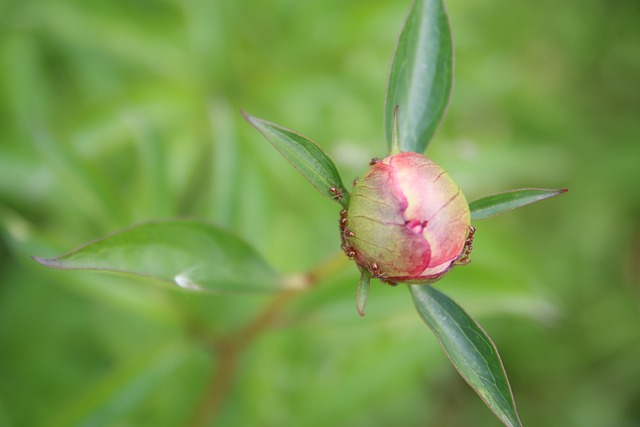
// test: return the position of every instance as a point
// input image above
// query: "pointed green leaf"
(309, 159)
(362, 293)
(421, 75)
(470, 350)
(495, 204)
(190, 254)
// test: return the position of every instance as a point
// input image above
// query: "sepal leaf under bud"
(362, 293)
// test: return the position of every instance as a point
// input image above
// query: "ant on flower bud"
(336, 192)
(463, 259)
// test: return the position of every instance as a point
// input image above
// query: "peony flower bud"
(407, 220)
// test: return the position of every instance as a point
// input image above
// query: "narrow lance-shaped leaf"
(309, 159)
(190, 254)
(495, 204)
(362, 293)
(470, 350)
(421, 75)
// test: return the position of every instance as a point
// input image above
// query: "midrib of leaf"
(486, 397)
(310, 162)
(416, 82)
(435, 314)
(305, 156)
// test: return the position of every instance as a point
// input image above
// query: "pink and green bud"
(407, 220)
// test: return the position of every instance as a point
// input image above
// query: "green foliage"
(421, 76)
(420, 83)
(362, 293)
(495, 204)
(97, 98)
(125, 388)
(470, 350)
(189, 254)
(309, 159)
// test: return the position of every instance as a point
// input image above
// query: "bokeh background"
(113, 113)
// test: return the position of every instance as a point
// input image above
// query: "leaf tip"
(361, 309)
(248, 117)
(556, 192)
(47, 262)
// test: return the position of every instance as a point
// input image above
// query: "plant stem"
(227, 350)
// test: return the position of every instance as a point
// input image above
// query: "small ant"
(383, 277)
(374, 161)
(336, 192)
(379, 274)
(463, 259)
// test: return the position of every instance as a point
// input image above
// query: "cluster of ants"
(345, 233)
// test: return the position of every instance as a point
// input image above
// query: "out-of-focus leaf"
(189, 254)
(309, 159)
(421, 75)
(155, 195)
(123, 389)
(470, 350)
(489, 206)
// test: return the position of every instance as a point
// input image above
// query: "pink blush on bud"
(416, 225)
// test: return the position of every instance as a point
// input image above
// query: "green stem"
(227, 350)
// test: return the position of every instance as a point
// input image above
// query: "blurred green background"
(113, 113)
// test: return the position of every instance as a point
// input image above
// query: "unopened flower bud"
(407, 220)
